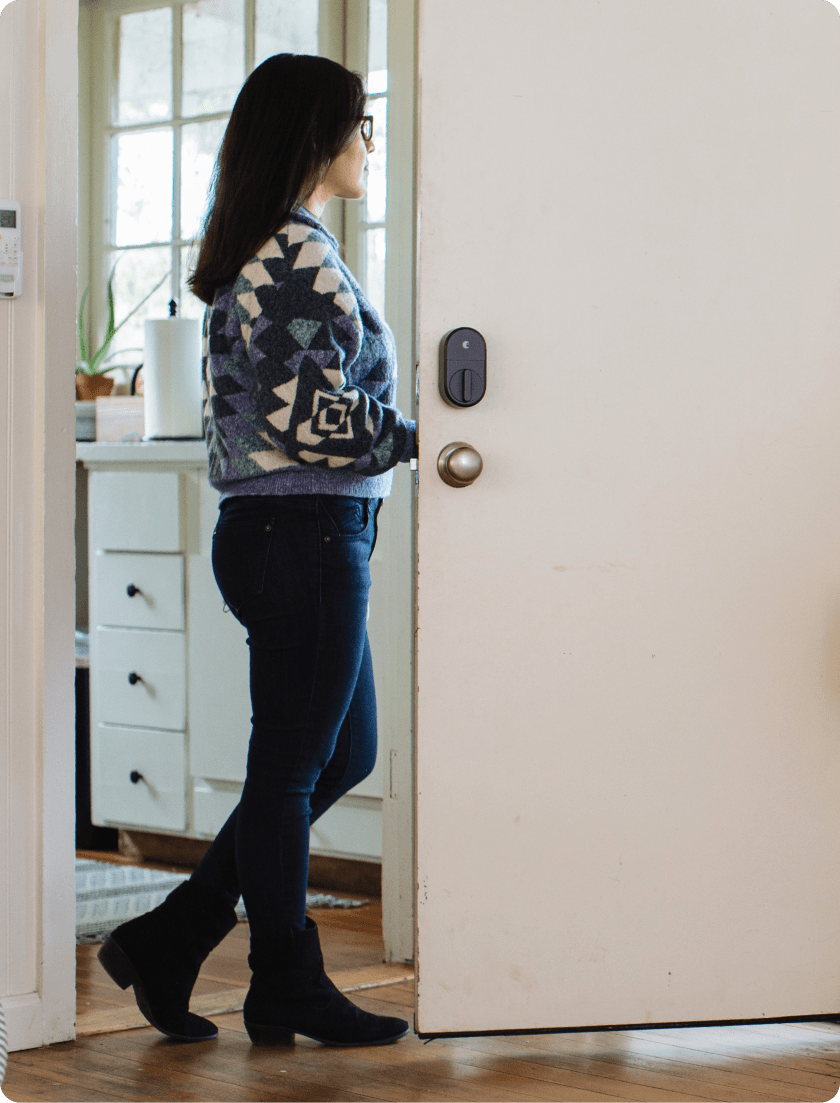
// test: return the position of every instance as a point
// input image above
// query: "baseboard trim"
(176, 850)
(345, 874)
(24, 1017)
(326, 871)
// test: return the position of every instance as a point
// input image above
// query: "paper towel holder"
(172, 378)
(173, 308)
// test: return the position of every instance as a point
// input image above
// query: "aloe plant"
(95, 364)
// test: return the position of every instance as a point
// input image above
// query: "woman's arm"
(305, 341)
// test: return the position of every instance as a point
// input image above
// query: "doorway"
(378, 40)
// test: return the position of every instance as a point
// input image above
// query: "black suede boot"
(291, 994)
(160, 953)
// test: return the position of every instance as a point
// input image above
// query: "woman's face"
(347, 175)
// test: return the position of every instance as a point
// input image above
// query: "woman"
(299, 378)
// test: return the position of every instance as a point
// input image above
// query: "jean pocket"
(241, 549)
(343, 515)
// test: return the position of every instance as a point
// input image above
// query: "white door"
(628, 763)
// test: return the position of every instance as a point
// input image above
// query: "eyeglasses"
(367, 127)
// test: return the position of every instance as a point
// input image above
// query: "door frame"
(37, 499)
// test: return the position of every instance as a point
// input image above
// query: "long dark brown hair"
(294, 115)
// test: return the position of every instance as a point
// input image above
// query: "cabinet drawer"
(155, 581)
(135, 511)
(157, 698)
(158, 797)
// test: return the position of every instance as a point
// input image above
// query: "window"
(165, 79)
(161, 79)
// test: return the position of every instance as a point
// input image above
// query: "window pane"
(286, 27)
(199, 145)
(144, 92)
(214, 55)
(375, 268)
(375, 203)
(377, 46)
(137, 272)
(144, 186)
(190, 306)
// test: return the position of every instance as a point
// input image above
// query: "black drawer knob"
(135, 776)
(131, 590)
(134, 678)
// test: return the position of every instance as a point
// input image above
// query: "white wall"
(38, 155)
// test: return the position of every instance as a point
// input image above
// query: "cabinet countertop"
(143, 452)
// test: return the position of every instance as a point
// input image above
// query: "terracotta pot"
(89, 387)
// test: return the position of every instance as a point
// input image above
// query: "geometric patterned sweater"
(300, 374)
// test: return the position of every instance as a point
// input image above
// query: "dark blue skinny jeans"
(294, 570)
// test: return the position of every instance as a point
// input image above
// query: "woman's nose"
(370, 146)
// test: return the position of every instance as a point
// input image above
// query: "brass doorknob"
(459, 464)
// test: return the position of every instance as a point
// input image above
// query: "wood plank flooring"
(762, 1063)
(352, 944)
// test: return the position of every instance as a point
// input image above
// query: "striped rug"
(109, 894)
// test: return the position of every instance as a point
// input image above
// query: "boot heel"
(269, 1035)
(116, 964)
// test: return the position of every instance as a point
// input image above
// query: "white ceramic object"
(172, 379)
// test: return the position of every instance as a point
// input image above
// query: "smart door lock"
(463, 367)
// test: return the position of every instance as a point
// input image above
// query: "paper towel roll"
(172, 379)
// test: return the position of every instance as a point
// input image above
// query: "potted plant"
(92, 367)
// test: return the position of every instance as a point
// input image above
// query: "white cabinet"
(214, 669)
(170, 707)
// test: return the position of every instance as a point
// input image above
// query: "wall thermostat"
(463, 367)
(10, 252)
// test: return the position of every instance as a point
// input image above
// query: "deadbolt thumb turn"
(463, 367)
(459, 464)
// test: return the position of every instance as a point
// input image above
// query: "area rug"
(107, 895)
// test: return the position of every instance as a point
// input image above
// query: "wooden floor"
(792, 1062)
(352, 942)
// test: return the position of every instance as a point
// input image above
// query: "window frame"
(98, 65)
(343, 36)
(355, 222)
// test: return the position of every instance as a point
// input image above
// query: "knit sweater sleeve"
(312, 364)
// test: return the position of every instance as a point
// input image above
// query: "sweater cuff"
(409, 452)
